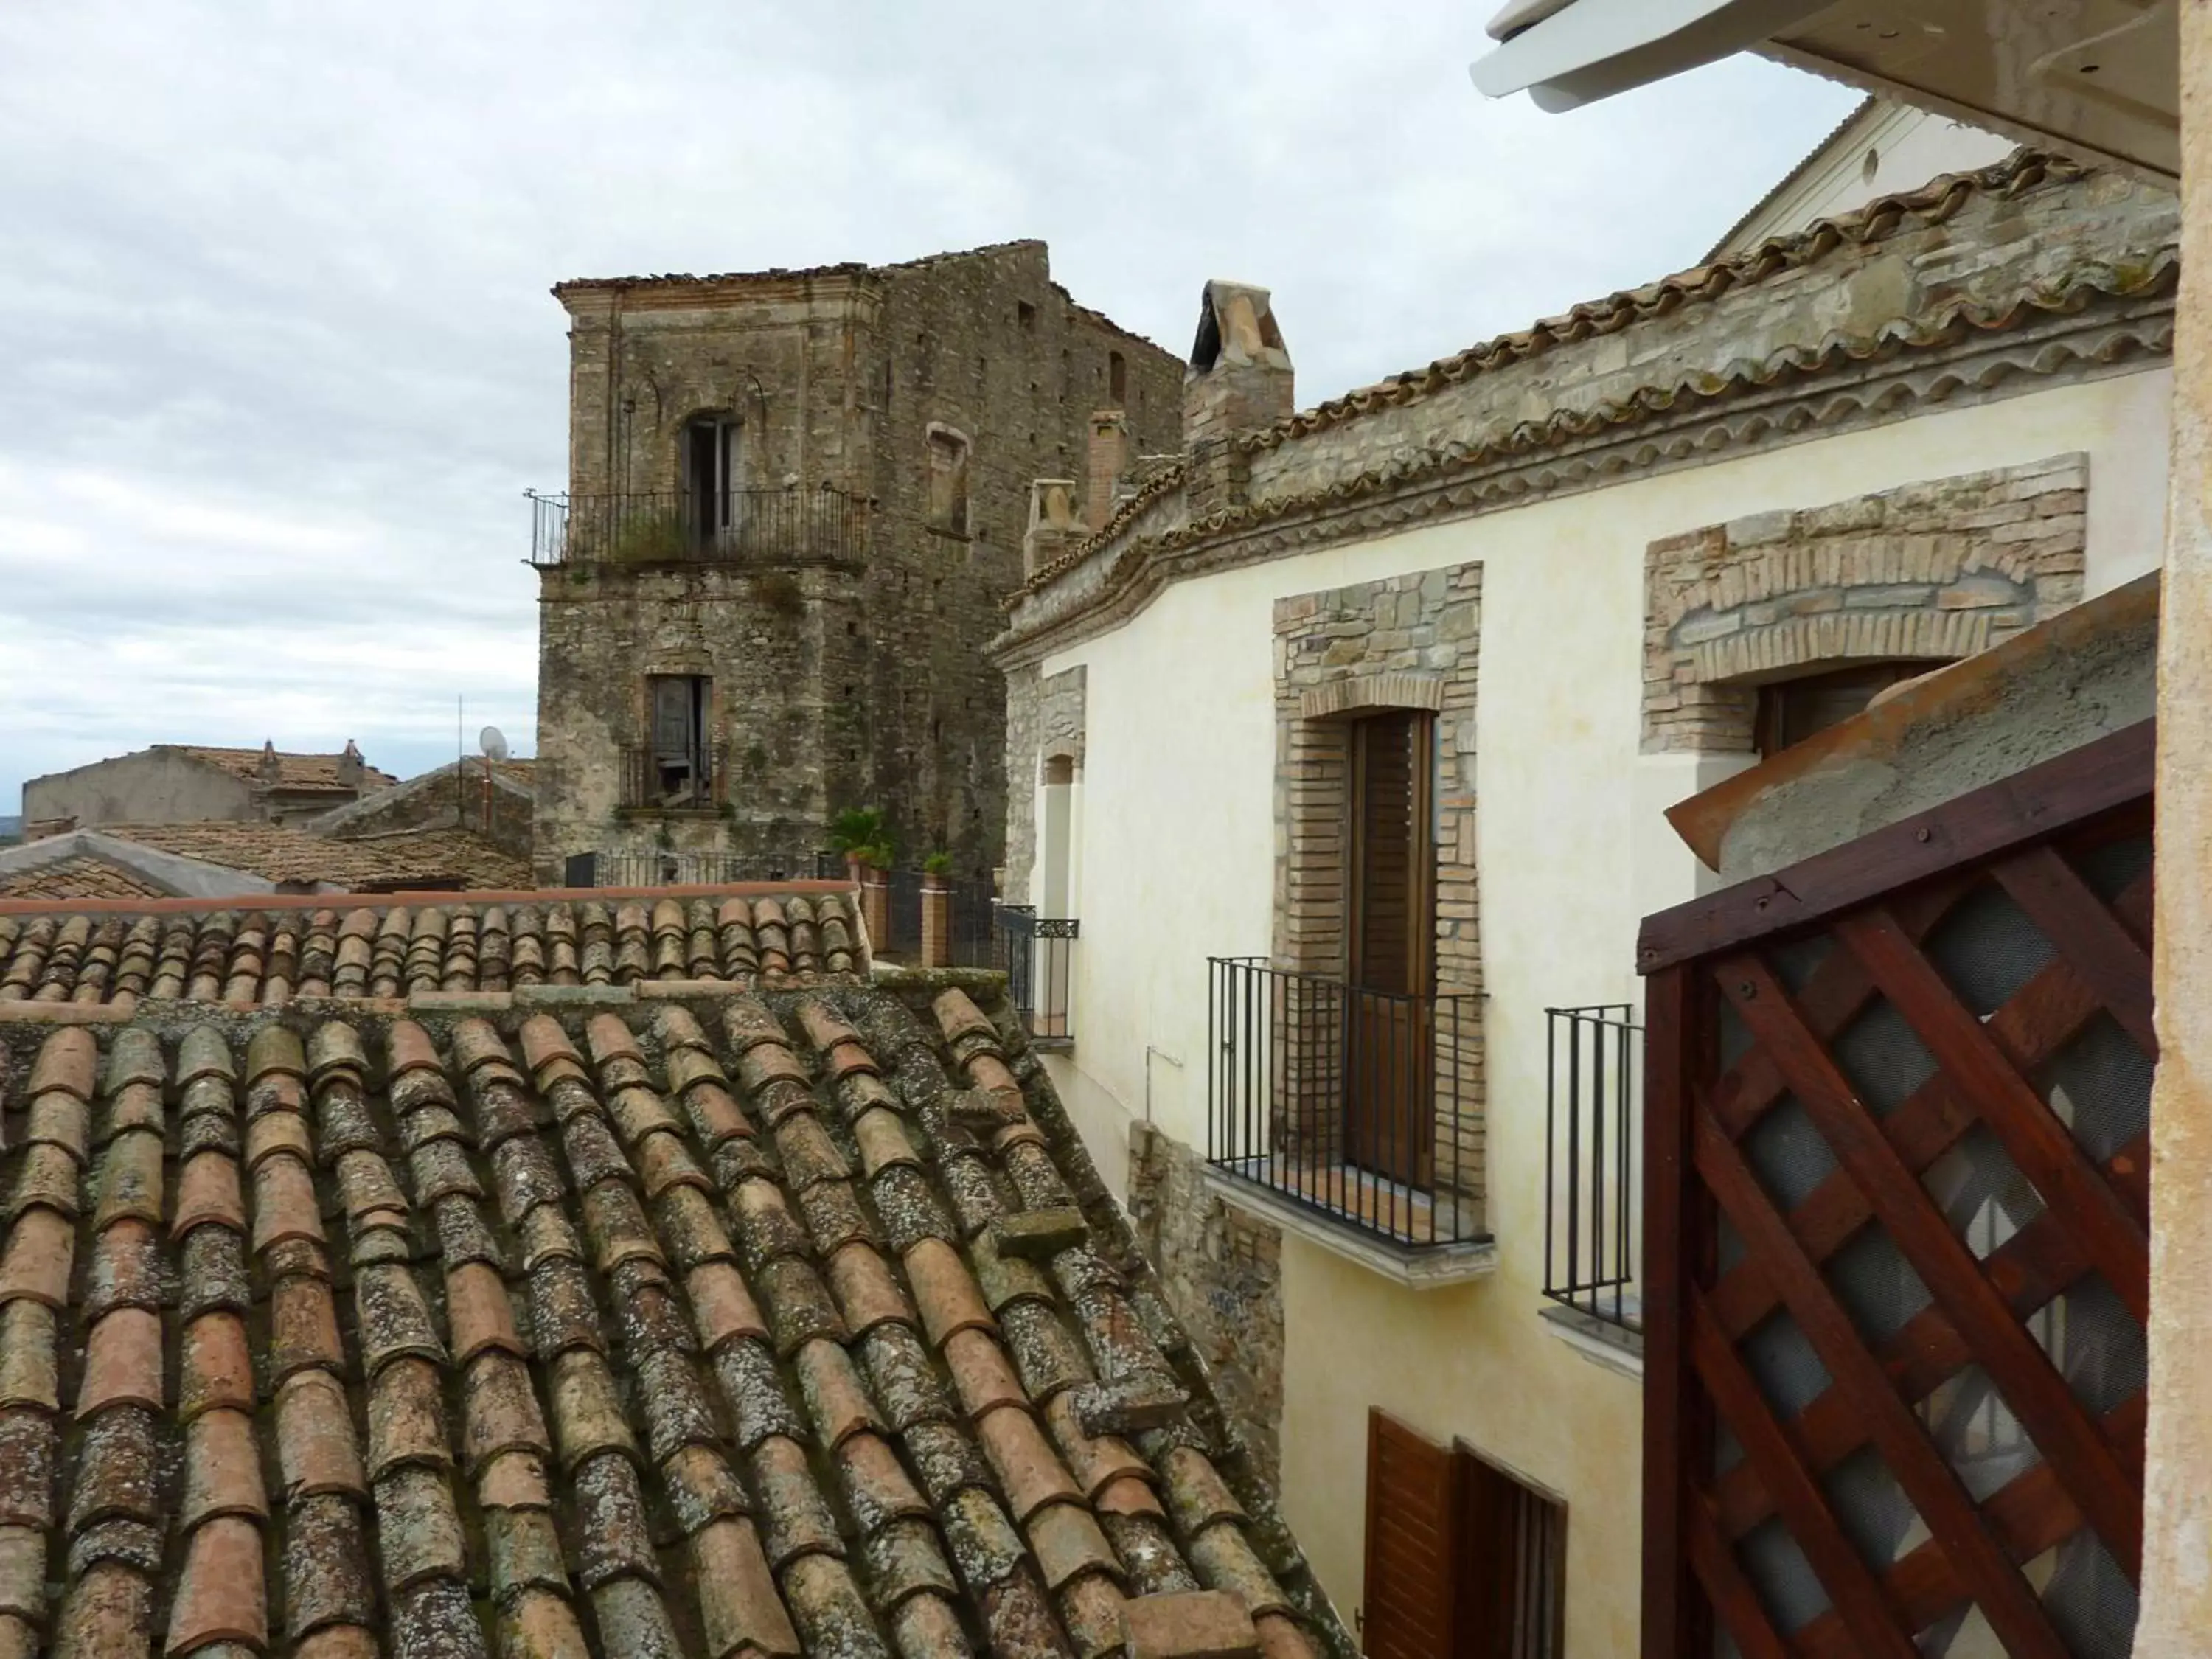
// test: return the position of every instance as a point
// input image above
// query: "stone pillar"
(936, 923)
(1108, 460)
(2177, 1577)
(876, 909)
(1052, 528)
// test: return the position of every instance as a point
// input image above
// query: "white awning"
(1571, 53)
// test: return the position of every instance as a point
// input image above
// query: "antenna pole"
(460, 804)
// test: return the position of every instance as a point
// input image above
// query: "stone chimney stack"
(1240, 378)
(350, 764)
(269, 769)
(1053, 528)
(1109, 464)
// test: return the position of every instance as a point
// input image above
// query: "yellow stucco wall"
(1176, 852)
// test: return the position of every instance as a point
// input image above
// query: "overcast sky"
(277, 359)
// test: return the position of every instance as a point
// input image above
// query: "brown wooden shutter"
(1410, 1544)
(1391, 852)
(671, 718)
(1512, 1550)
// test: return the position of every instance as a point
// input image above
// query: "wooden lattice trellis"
(1897, 1257)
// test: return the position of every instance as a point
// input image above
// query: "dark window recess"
(948, 483)
(1387, 1112)
(1025, 314)
(1463, 1561)
(713, 480)
(1790, 711)
(677, 706)
(1117, 378)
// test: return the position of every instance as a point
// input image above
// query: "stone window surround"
(1936, 570)
(937, 434)
(1409, 642)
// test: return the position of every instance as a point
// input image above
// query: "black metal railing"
(1039, 956)
(666, 869)
(655, 781)
(972, 943)
(1361, 1105)
(1593, 1122)
(680, 527)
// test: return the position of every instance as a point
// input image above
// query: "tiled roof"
(293, 771)
(271, 952)
(80, 875)
(462, 854)
(283, 852)
(777, 1326)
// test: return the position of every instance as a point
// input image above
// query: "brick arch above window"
(1371, 693)
(1930, 571)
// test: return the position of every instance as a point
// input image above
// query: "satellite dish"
(493, 742)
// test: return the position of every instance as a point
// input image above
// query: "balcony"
(1039, 952)
(1351, 1116)
(637, 528)
(654, 781)
(1593, 1168)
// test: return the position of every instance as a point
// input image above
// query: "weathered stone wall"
(154, 786)
(1937, 570)
(986, 344)
(1044, 718)
(771, 642)
(445, 798)
(1221, 1270)
(1410, 641)
(835, 377)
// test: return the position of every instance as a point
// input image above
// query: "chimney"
(1053, 528)
(269, 768)
(350, 765)
(1109, 462)
(1239, 378)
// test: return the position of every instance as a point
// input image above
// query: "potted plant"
(862, 836)
(934, 869)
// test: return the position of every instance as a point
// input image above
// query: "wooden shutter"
(1391, 852)
(1410, 1544)
(672, 718)
(1513, 1577)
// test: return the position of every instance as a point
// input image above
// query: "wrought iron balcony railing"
(1593, 1162)
(1040, 961)
(683, 526)
(673, 869)
(655, 781)
(1363, 1106)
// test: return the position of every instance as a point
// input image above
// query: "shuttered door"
(1408, 1599)
(672, 718)
(1389, 1112)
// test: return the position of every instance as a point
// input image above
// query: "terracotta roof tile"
(695, 1333)
(275, 948)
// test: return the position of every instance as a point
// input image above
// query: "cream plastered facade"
(1171, 851)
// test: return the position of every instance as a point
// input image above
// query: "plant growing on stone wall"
(781, 593)
(650, 539)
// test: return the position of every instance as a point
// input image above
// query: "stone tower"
(796, 500)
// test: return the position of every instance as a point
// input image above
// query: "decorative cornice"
(2097, 315)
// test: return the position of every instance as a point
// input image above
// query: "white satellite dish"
(493, 742)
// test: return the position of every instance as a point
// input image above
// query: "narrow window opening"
(677, 768)
(948, 481)
(1025, 314)
(1117, 378)
(713, 476)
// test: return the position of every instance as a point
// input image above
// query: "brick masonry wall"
(1222, 1271)
(882, 693)
(1044, 718)
(1406, 641)
(1937, 570)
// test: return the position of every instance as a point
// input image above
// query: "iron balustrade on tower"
(677, 526)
